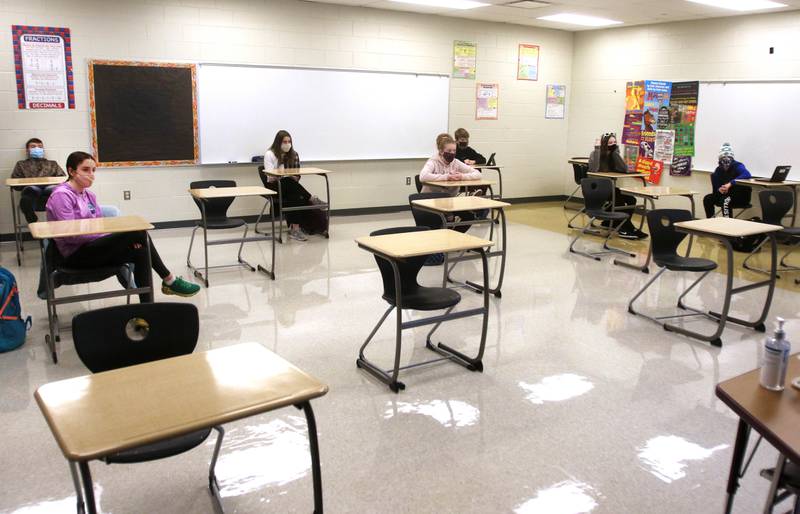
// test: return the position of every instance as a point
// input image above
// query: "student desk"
(448, 206)
(21, 183)
(578, 160)
(774, 415)
(397, 247)
(498, 169)
(204, 195)
(724, 229)
(462, 184)
(651, 194)
(793, 185)
(297, 172)
(98, 415)
(43, 230)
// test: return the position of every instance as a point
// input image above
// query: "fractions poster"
(486, 98)
(43, 65)
(464, 57)
(528, 62)
(556, 101)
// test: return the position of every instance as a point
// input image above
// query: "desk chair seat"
(789, 484)
(775, 205)
(127, 335)
(418, 183)
(665, 240)
(597, 193)
(427, 299)
(224, 223)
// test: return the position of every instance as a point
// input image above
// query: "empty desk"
(498, 169)
(22, 183)
(299, 172)
(462, 185)
(793, 185)
(445, 207)
(98, 415)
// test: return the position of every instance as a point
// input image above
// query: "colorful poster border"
(16, 32)
(525, 75)
(468, 51)
(487, 85)
(93, 114)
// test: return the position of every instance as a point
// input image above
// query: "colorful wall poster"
(464, 58)
(528, 62)
(486, 101)
(634, 103)
(43, 66)
(631, 156)
(656, 96)
(652, 168)
(681, 166)
(665, 144)
(556, 101)
(683, 115)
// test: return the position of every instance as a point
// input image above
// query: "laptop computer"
(490, 161)
(780, 173)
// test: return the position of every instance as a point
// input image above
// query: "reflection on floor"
(581, 407)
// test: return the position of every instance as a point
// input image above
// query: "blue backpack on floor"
(12, 326)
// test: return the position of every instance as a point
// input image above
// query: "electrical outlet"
(408, 181)
(126, 195)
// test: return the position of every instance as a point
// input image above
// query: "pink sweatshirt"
(437, 169)
(67, 204)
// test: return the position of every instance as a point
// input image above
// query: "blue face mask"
(37, 152)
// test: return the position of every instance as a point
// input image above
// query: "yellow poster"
(464, 58)
(528, 62)
(486, 101)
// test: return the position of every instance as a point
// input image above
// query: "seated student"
(606, 158)
(73, 200)
(724, 191)
(464, 152)
(444, 166)
(282, 155)
(35, 166)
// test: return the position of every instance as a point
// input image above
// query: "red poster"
(652, 168)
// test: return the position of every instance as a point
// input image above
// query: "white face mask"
(285, 147)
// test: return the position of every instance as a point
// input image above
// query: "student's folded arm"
(427, 174)
(478, 158)
(59, 207)
(468, 172)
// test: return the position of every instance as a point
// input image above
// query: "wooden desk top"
(460, 203)
(97, 415)
(460, 183)
(729, 227)
(578, 160)
(228, 192)
(775, 415)
(614, 176)
(68, 228)
(297, 171)
(656, 191)
(35, 181)
(764, 182)
(485, 166)
(413, 244)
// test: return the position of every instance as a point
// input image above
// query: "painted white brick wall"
(292, 33)
(735, 48)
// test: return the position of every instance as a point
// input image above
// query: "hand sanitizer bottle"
(775, 360)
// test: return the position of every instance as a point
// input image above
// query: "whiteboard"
(331, 114)
(759, 119)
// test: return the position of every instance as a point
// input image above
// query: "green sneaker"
(180, 288)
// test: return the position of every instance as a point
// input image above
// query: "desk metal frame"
(645, 268)
(17, 215)
(501, 215)
(721, 318)
(481, 167)
(241, 240)
(447, 353)
(325, 206)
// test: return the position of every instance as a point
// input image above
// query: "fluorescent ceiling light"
(580, 19)
(447, 4)
(740, 5)
(528, 4)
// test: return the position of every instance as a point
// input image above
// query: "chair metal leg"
(606, 249)
(88, 487)
(80, 507)
(641, 292)
(776, 480)
(213, 484)
(313, 445)
(571, 195)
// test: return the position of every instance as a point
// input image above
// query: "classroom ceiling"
(633, 12)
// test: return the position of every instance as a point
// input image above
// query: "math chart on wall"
(43, 66)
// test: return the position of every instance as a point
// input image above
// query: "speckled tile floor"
(581, 407)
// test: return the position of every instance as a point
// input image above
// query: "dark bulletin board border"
(93, 113)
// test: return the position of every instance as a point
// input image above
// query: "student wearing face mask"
(282, 155)
(724, 191)
(445, 166)
(606, 158)
(73, 200)
(464, 152)
(35, 166)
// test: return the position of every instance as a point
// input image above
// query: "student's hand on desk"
(469, 162)
(724, 188)
(454, 176)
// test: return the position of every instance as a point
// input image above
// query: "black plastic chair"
(597, 194)
(214, 216)
(418, 183)
(788, 485)
(127, 335)
(579, 172)
(775, 205)
(425, 218)
(741, 197)
(413, 296)
(55, 275)
(664, 240)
